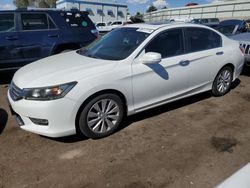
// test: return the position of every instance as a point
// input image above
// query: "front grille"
(15, 92)
(246, 48)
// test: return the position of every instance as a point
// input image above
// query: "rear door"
(9, 41)
(205, 55)
(38, 35)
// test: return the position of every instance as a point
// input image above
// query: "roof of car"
(158, 25)
(41, 9)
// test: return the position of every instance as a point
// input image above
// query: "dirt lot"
(177, 145)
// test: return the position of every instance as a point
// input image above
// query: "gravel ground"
(196, 142)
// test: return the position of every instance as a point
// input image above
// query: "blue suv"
(29, 35)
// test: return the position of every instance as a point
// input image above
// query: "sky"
(133, 5)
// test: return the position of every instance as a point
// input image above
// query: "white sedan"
(129, 70)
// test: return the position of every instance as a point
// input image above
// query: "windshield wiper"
(93, 56)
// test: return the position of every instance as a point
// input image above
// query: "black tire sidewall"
(84, 128)
(215, 89)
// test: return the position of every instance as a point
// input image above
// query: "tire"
(101, 116)
(223, 81)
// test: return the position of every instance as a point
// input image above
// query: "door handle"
(12, 38)
(220, 53)
(53, 36)
(184, 63)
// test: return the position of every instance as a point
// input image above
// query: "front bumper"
(60, 114)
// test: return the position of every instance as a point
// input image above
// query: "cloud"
(215, 1)
(137, 2)
(7, 6)
(160, 4)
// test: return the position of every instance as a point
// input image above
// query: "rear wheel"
(101, 116)
(223, 81)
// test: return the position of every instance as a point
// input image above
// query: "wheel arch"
(231, 65)
(106, 91)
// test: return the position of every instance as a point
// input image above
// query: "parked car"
(211, 22)
(244, 40)
(102, 27)
(113, 25)
(232, 27)
(28, 35)
(129, 70)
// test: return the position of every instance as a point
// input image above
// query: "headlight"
(48, 93)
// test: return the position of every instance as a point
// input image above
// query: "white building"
(221, 9)
(99, 10)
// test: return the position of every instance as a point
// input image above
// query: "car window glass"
(100, 24)
(7, 22)
(226, 30)
(75, 19)
(116, 45)
(51, 24)
(168, 44)
(34, 21)
(202, 39)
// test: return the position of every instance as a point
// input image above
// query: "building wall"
(232, 9)
(109, 11)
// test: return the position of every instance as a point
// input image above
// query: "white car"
(244, 40)
(129, 70)
(102, 27)
(113, 25)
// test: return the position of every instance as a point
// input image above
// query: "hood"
(59, 69)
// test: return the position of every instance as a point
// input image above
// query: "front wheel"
(101, 116)
(223, 81)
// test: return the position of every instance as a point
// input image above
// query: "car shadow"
(246, 71)
(164, 108)
(3, 120)
(69, 139)
(171, 106)
(6, 77)
(235, 83)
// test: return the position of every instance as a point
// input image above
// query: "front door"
(154, 84)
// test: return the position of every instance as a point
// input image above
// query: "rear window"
(214, 20)
(117, 23)
(7, 22)
(100, 24)
(76, 19)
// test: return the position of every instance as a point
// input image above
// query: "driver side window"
(168, 44)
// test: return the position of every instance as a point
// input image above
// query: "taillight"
(242, 49)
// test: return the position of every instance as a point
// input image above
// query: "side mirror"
(151, 58)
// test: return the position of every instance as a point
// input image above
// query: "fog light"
(43, 122)
(19, 120)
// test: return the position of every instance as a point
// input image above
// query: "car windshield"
(116, 45)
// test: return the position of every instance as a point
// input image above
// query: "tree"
(138, 18)
(138, 15)
(52, 3)
(21, 3)
(151, 8)
(35, 3)
(43, 4)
